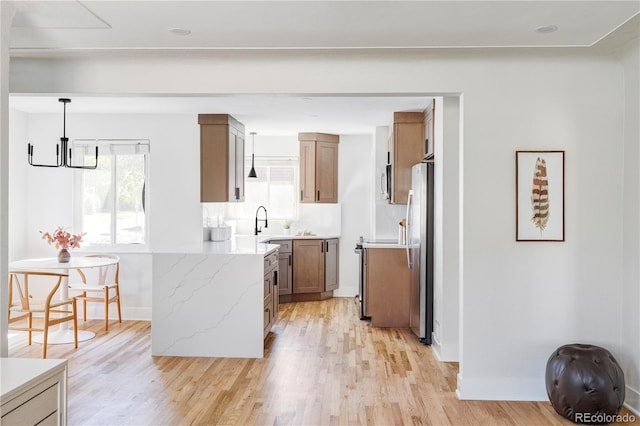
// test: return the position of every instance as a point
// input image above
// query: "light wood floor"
(322, 366)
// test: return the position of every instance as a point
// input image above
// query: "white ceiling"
(60, 25)
(46, 28)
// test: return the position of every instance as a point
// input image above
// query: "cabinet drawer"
(267, 320)
(286, 246)
(34, 410)
(268, 287)
(270, 261)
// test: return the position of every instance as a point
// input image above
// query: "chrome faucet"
(266, 224)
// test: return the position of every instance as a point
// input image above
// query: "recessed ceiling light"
(546, 29)
(179, 31)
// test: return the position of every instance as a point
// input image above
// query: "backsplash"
(322, 219)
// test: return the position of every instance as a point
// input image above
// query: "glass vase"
(64, 256)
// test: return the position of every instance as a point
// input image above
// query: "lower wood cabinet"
(285, 269)
(271, 299)
(315, 269)
(388, 284)
(308, 269)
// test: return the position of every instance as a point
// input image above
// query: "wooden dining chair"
(104, 288)
(51, 307)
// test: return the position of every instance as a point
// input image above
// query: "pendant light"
(252, 172)
(63, 152)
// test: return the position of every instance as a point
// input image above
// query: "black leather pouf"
(585, 384)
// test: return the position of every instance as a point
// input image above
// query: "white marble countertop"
(239, 244)
(232, 246)
(263, 238)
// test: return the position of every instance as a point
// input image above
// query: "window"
(275, 187)
(110, 201)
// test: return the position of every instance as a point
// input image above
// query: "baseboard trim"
(501, 389)
(632, 400)
(128, 313)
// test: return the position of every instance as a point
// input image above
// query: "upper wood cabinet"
(407, 149)
(318, 167)
(221, 158)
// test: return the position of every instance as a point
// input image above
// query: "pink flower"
(62, 239)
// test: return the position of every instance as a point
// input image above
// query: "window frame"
(78, 218)
(273, 161)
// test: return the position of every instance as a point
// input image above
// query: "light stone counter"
(208, 299)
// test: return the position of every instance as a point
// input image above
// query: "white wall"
(446, 282)
(354, 173)
(519, 301)
(630, 350)
(18, 196)
(6, 17)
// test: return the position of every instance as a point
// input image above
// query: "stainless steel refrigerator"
(420, 250)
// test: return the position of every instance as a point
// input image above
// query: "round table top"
(49, 263)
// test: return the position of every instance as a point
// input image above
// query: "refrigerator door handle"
(408, 230)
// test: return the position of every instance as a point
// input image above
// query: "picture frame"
(540, 196)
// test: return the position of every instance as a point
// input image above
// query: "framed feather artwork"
(539, 195)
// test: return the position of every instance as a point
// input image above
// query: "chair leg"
(118, 303)
(75, 323)
(106, 308)
(45, 334)
(30, 324)
(84, 306)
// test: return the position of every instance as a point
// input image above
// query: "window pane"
(130, 218)
(97, 202)
(282, 196)
(256, 191)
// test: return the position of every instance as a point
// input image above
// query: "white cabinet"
(34, 391)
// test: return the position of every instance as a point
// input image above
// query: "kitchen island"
(208, 299)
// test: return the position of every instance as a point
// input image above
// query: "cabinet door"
(239, 165)
(332, 256)
(285, 275)
(307, 172)
(308, 266)
(326, 172)
(408, 148)
(214, 166)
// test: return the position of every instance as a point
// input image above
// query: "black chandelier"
(63, 151)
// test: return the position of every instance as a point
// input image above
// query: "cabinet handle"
(275, 277)
(301, 195)
(289, 260)
(318, 195)
(327, 243)
(322, 247)
(237, 193)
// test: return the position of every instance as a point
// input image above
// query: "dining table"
(51, 264)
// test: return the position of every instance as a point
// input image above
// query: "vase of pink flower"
(63, 241)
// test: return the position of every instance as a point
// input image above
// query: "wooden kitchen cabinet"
(407, 149)
(285, 269)
(315, 269)
(318, 167)
(221, 158)
(388, 287)
(271, 300)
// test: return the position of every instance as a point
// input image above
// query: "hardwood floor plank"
(322, 366)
